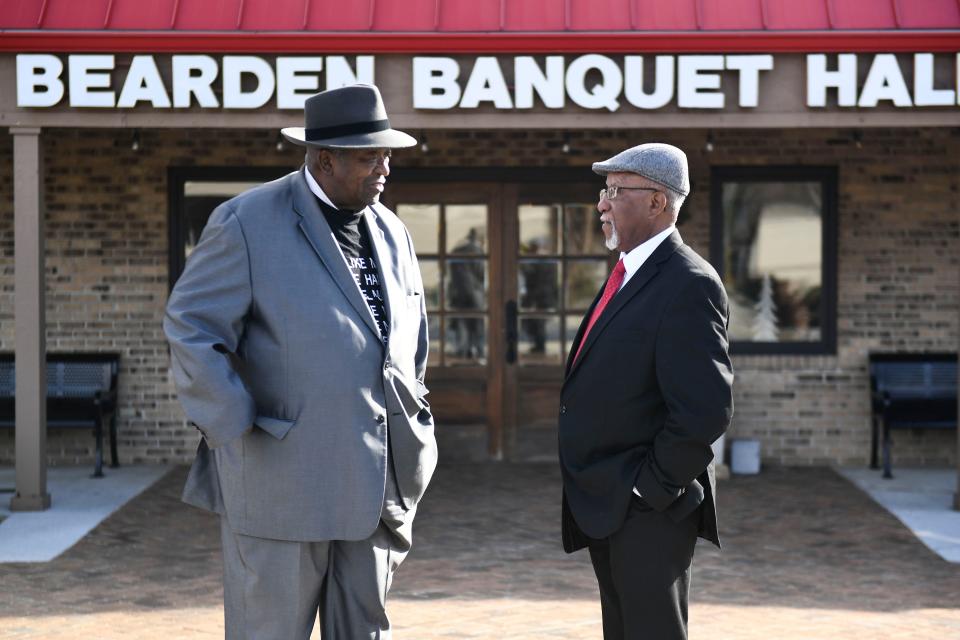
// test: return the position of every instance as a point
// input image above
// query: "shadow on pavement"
(796, 538)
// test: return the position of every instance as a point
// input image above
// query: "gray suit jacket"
(278, 361)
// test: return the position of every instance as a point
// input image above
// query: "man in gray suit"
(298, 336)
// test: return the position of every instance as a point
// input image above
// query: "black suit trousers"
(643, 570)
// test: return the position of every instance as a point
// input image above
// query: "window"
(773, 241)
(562, 262)
(451, 244)
(194, 192)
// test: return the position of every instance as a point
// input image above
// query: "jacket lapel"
(638, 281)
(583, 326)
(314, 226)
(389, 279)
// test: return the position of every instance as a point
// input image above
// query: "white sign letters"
(439, 83)
(884, 82)
(247, 82)
(590, 81)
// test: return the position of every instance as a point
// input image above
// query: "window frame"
(563, 312)
(442, 258)
(177, 177)
(827, 176)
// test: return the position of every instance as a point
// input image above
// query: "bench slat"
(911, 391)
(81, 393)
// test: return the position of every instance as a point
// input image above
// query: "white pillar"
(30, 323)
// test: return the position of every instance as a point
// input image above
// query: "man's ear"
(658, 203)
(324, 161)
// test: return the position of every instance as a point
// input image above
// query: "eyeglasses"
(610, 193)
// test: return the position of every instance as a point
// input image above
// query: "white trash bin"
(745, 456)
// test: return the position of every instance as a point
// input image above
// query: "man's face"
(629, 219)
(354, 178)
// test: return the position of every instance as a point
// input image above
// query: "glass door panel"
(558, 273)
(453, 227)
(540, 341)
(451, 244)
(509, 270)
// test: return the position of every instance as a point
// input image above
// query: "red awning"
(377, 26)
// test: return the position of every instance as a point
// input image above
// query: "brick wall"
(898, 279)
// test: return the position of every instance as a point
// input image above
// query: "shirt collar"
(315, 188)
(633, 260)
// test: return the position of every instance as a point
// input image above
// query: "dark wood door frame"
(503, 189)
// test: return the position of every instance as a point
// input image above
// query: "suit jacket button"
(380, 419)
(563, 409)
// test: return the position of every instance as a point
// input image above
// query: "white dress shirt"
(638, 255)
(317, 191)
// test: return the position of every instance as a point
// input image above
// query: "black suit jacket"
(650, 392)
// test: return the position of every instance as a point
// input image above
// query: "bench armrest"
(880, 400)
(105, 399)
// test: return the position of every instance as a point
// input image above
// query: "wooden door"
(509, 269)
(556, 263)
(455, 231)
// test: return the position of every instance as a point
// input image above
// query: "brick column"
(30, 323)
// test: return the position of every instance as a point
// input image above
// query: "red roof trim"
(43, 14)
(896, 13)
(22, 41)
(106, 18)
(831, 14)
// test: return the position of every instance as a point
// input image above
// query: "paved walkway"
(79, 503)
(807, 555)
(922, 499)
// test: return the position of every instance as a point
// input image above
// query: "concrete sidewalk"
(806, 555)
(79, 503)
(922, 499)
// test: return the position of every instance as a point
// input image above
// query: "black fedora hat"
(345, 118)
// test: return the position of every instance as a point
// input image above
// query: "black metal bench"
(910, 391)
(81, 393)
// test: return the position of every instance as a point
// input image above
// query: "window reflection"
(539, 229)
(433, 331)
(423, 223)
(539, 341)
(430, 272)
(584, 278)
(466, 228)
(466, 285)
(465, 340)
(547, 321)
(581, 230)
(773, 260)
(570, 331)
(451, 244)
(539, 285)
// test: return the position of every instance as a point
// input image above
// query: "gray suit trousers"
(274, 589)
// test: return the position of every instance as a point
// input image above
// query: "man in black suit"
(647, 390)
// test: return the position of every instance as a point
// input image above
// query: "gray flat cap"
(663, 163)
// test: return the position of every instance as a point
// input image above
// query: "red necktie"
(613, 285)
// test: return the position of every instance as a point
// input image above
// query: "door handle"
(510, 320)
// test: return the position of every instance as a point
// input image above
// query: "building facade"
(825, 162)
